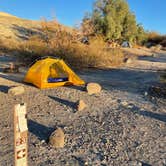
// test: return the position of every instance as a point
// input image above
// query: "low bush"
(156, 38)
(57, 41)
(76, 54)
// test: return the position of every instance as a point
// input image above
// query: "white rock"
(124, 103)
(129, 60)
(146, 93)
(17, 90)
(93, 88)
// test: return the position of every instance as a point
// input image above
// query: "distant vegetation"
(59, 42)
(156, 38)
(114, 20)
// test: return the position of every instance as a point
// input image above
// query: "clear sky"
(151, 13)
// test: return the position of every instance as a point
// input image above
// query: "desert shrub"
(93, 55)
(32, 49)
(156, 38)
(163, 43)
(74, 53)
(59, 41)
(1, 45)
(8, 45)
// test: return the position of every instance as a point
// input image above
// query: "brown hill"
(12, 27)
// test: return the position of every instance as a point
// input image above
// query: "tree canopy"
(114, 20)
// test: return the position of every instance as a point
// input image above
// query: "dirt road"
(120, 126)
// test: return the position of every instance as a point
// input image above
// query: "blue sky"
(151, 13)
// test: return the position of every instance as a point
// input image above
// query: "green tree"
(141, 36)
(130, 28)
(114, 20)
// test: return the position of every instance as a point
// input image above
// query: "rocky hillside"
(12, 27)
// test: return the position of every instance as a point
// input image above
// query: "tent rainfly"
(50, 72)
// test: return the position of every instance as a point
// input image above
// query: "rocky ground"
(123, 125)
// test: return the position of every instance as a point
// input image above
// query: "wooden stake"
(20, 135)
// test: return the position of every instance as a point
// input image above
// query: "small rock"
(158, 47)
(86, 163)
(146, 93)
(81, 105)
(43, 141)
(57, 138)
(130, 106)
(93, 88)
(124, 103)
(49, 103)
(13, 68)
(129, 60)
(17, 90)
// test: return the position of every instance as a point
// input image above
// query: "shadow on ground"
(16, 78)
(158, 58)
(149, 114)
(4, 88)
(39, 130)
(160, 117)
(128, 80)
(80, 88)
(13, 77)
(63, 101)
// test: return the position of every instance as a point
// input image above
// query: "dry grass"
(62, 42)
(76, 54)
(157, 38)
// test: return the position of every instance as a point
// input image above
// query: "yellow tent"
(50, 72)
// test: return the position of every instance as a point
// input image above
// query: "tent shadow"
(4, 88)
(13, 77)
(63, 101)
(40, 131)
(80, 88)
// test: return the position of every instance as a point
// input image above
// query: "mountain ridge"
(6, 14)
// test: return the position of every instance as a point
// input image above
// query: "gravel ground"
(121, 126)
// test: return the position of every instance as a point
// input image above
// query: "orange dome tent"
(50, 72)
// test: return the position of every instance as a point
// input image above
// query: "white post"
(20, 135)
